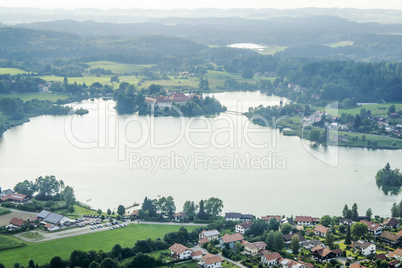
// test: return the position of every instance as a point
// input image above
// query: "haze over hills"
(26, 15)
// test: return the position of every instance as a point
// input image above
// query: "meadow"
(11, 71)
(7, 242)
(378, 110)
(43, 252)
(34, 95)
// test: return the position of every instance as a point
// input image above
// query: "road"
(47, 236)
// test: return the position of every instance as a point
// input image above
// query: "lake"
(111, 159)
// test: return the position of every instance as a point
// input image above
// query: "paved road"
(86, 230)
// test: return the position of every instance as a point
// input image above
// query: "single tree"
(369, 213)
(348, 240)
(121, 210)
(295, 244)
(286, 228)
(355, 213)
(279, 244)
(359, 229)
(329, 240)
(108, 212)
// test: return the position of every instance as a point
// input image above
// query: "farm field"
(11, 71)
(118, 67)
(126, 237)
(5, 219)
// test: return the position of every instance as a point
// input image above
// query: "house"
(380, 257)
(268, 217)
(390, 238)
(321, 230)
(288, 263)
(201, 242)
(306, 220)
(394, 263)
(254, 248)
(210, 261)
(181, 252)
(15, 198)
(323, 254)
(366, 248)
(312, 243)
(288, 238)
(242, 227)
(374, 228)
(345, 221)
(51, 227)
(230, 240)
(6, 192)
(210, 235)
(43, 214)
(196, 255)
(396, 254)
(271, 259)
(179, 216)
(391, 223)
(356, 265)
(233, 216)
(18, 223)
(135, 214)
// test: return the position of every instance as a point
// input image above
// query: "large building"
(162, 102)
(15, 198)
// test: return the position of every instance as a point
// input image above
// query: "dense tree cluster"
(388, 177)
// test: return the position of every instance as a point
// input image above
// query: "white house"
(321, 230)
(306, 220)
(209, 235)
(374, 228)
(180, 252)
(271, 259)
(366, 248)
(242, 227)
(210, 261)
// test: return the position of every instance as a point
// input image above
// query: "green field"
(40, 96)
(43, 252)
(7, 242)
(118, 67)
(4, 211)
(269, 50)
(379, 110)
(88, 80)
(12, 71)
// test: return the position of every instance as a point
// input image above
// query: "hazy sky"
(190, 4)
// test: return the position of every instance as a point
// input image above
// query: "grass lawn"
(118, 67)
(43, 252)
(32, 235)
(172, 83)
(8, 242)
(34, 95)
(4, 211)
(269, 50)
(11, 71)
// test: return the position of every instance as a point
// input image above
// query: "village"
(245, 240)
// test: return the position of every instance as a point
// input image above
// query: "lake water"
(111, 160)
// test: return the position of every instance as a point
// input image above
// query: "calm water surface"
(111, 160)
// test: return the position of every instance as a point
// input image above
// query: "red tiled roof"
(17, 222)
(255, 245)
(135, 212)
(273, 256)
(196, 253)
(371, 225)
(210, 259)
(180, 214)
(391, 236)
(232, 238)
(178, 248)
(16, 197)
(321, 229)
(202, 241)
(305, 218)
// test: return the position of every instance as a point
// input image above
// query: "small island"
(81, 111)
(389, 180)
